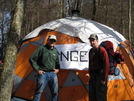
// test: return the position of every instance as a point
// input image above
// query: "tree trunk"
(69, 8)
(106, 12)
(95, 8)
(129, 29)
(6, 76)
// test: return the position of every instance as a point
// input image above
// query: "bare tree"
(95, 8)
(130, 21)
(113, 13)
(4, 24)
(6, 76)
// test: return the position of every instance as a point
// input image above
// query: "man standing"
(98, 70)
(45, 62)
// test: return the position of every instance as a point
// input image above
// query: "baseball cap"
(52, 37)
(93, 36)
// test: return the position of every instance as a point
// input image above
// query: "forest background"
(118, 14)
(20, 17)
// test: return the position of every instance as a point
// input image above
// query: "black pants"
(97, 91)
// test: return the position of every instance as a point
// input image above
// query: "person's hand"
(56, 71)
(40, 72)
(87, 75)
(103, 82)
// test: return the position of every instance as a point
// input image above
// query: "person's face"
(94, 43)
(51, 42)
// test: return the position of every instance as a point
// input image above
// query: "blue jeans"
(49, 78)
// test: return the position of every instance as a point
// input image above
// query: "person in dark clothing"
(98, 70)
(45, 62)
